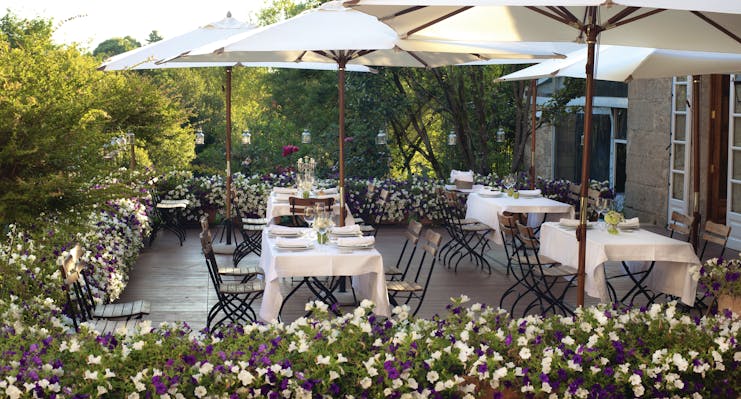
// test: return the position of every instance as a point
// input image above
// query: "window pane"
(681, 78)
(736, 165)
(680, 100)
(678, 186)
(737, 131)
(680, 127)
(737, 90)
(621, 123)
(620, 156)
(736, 198)
(678, 156)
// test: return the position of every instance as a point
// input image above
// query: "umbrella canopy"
(623, 64)
(342, 36)
(153, 56)
(712, 25)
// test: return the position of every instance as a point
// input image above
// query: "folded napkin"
(331, 190)
(352, 229)
(282, 230)
(630, 223)
(569, 222)
(461, 175)
(325, 195)
(292, 242)
(530, 193)
(364, 241)
(284, 190)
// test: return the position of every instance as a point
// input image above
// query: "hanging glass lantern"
(200, 137)
(500, 135)
(246, 137)
(452, 138)
(130, 137)
(306, 136)
(381, 137)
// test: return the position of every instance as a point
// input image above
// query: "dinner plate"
(568, 226)
(490, 194)
(285, 233)
(348, 234)
(294, 248)
(367, 246)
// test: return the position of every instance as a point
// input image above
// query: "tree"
(116, 45)
(154, 36)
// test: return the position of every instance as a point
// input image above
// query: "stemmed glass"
(602, 206)
(509, 181)
(309, 215)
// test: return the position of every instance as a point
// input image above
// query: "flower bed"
(411, 198)
(469, 352)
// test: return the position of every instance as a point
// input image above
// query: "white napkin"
(630, 223)
(331, 190)
(284, 231)
(569, 222)
(292, 242)
(325, 195)
(284, 190)
(461, 175)
(364, 241)
(352, 229)
(530, 193)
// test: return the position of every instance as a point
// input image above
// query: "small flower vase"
(305, 194)
(612, 228)
(322, 238)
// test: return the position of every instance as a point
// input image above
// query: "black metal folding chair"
(415, 288)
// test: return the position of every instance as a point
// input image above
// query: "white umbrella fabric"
(711, 25)
(153, 55)
(342, 36)
(623, 64)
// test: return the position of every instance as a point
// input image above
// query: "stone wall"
(647, 165)
(543, 152)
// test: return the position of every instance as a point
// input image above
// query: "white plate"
(293, 248)
(369, 246)
(568, 226)
(285, 234)
(490, 194)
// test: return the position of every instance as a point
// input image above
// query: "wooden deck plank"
(175, 281)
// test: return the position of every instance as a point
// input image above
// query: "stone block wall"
(647, 164)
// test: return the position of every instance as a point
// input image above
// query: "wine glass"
(602, 206)
(509, 181)
(309, 215)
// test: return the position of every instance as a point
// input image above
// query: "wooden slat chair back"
(377, 212)
(715, 233)
(574, 191)
(82, 309)
(508, 232)
(415, 286)
(234, 300)
(411, 235)
(251, 231)
(366, 208)
(682, 224)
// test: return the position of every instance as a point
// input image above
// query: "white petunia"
(200, 391)
(432, 376)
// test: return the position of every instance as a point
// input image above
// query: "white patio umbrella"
(623, 64)
(338, 35)
(711, 25)
(153, 55)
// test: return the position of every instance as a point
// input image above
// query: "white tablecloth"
(487, 210)
(673, 258)
(278, 206)
(366, 267)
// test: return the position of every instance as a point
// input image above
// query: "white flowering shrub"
(469, 352)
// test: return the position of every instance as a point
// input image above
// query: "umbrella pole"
(341, 89)
(534, 94)
(228, 222)
(695, 158)
(581, 232)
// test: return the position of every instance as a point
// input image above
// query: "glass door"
(679, 161)
(733, 217)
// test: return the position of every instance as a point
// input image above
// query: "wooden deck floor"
(175, 280)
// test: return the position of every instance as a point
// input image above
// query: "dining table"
(486, 206)
(312, 263)
(655, 262)
(278, 205)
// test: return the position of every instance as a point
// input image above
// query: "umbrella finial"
(228, 14)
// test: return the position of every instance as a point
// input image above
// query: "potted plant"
(722, 278)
